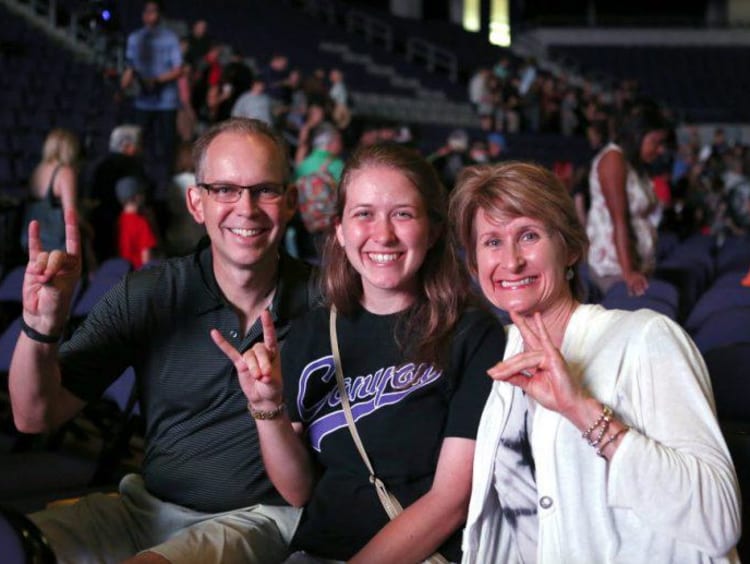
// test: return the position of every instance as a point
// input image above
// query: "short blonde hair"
(61, 146)
(516, 189)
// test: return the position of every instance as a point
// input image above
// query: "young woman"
(599, 441)
(414, 360)
(621, 224)
(52, 189)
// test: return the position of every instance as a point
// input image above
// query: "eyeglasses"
(225, 193)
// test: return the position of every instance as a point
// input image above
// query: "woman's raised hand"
(540, 371)
(258, 368)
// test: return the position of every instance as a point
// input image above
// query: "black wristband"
(35, 335)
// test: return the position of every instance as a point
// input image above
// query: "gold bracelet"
(612, 438)
(266, 414)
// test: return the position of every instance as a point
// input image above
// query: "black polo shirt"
(202, 448)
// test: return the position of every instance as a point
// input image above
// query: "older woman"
(599, 442)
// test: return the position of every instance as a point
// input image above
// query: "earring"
(569, 274)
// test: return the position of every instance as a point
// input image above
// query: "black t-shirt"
(402, 420)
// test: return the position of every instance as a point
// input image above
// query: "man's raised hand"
(51, 277)
(258, 368)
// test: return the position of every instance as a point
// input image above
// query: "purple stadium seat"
(21, 542)
(634, 303)
(8, 344)
(110, 272)
(10, 286)
(727, 367)
(734, 254)
(730, 279)
(658, 290)
(715, 300)
(29, 479)
(724, 328)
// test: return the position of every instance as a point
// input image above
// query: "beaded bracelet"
(266, 414)
(612, 438)
(605, 417)
(602, 431)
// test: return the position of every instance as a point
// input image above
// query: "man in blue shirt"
(154, 63)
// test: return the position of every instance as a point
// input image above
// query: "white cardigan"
(670, 492)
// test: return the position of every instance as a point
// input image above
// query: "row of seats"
(693, 80)
(41, 87)
(34, 469)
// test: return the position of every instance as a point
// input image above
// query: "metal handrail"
(372, 28)
(435, 57)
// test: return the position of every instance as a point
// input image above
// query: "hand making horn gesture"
(258, 368)
(540, 370)
(50, 279)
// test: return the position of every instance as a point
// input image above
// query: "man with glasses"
(203, 495)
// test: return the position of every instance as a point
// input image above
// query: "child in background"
(134, 234)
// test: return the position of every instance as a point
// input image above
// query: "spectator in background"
(292, 113)
(527, 75)
(507, 105)
(316, 114)
(339, 95)
(136, 239)
(187, 119)
(496, 146)
(236, 77)
(449, 159)
(315, 87)
(620, 228)
(478, 153)
(275, 75)
(206, 73)
(317, 177)
(502, 68)
(154, 63)
(52, 189)
(199, 43)
(182, 233)
(254, 103)
(327, 148)
(569, 112)
(737, 190)
(123, 159)
(481, 97)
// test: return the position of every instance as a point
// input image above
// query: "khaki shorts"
(101, 529)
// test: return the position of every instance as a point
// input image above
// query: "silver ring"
(527, 373)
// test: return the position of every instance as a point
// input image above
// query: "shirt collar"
(293, 294)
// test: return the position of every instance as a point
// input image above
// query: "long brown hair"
(425, 328)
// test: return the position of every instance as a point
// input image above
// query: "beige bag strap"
(390, 503)
(387, 499)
